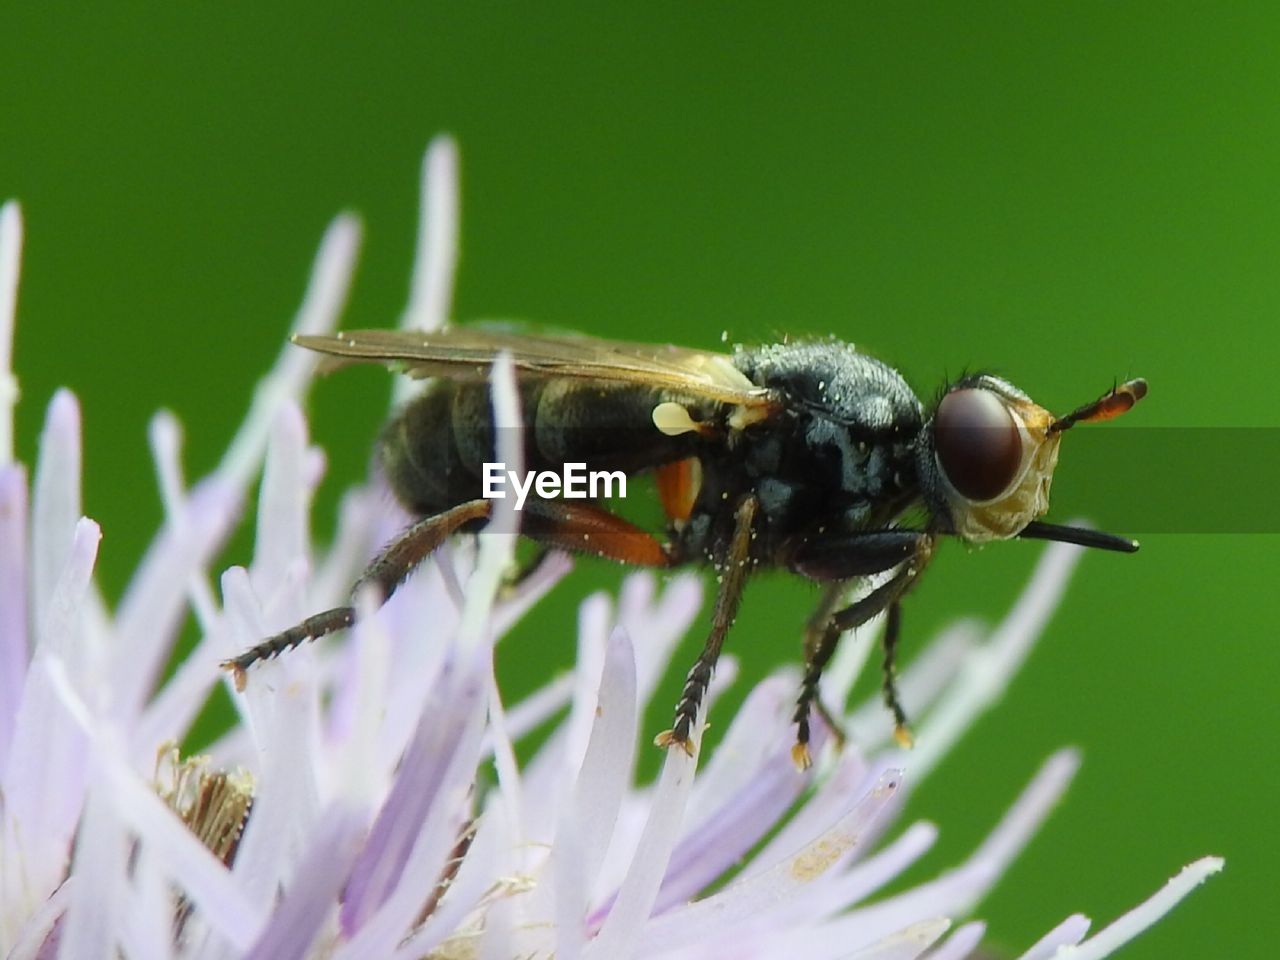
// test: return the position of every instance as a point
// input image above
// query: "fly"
(808, 456)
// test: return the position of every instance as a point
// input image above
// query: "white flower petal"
(714, 843)
(14, 653)
(151, 610)
(560, 757)
(459, 917)
(55, 502)
(989, 669)
(308, 900)
(92, 924)
(516, 603)
(280, 707)
(755, 736)
(587, 820)
(30, 941)
(436, 256)
(1023, 819)
(617, 939)
(147, 927)
(1068, 933)
(906, 944)
(1114, 936)
(44, 781)
(284, 504)
(10, 266)
(956, 892)
(291, 375)
(863, 879)
(426, 808)
(961, 943)
(663, 625)
(824, 807)
(750, 901)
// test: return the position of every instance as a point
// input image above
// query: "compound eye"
(978, 444)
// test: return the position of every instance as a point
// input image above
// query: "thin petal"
(92, 926)
(961, 943)
(1068, 933)
(355, 716)
(617, 939)
(827, 804)
(44, 782)
(436, 257)
(864, 879)
(497, 541)
(10, 268)
(40, 923)
(284, 505)
(290, 376)
(177, 703)
(419, 780)
(957, 891)
(587, 820)
(560, 757)
(14, 651)
(1114, 936)
(514, 605)
(713, 845)
(754, 738)
(151, 610)
(281, 712)
(663, 625)
(147, 928)
(473, 883)
(749, 901)
(988, 670)
(310, 897)
(55, 503)
(906, 944)
(455, 744)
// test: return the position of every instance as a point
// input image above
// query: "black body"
(840, 456)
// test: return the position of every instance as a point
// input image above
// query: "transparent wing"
(468, 353)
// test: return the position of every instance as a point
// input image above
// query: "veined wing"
(468, 353)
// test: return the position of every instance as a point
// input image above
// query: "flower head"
(345, 814)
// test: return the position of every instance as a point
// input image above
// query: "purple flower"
(349, 811)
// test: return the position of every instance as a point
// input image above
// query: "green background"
(1065, 193)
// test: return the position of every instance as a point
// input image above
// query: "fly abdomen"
(435, 450)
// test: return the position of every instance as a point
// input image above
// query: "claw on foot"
(801, 757)
(902, 736)
(239, 677)
(668, 738)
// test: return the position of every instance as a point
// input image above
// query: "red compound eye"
(978, 443)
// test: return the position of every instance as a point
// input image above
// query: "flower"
(343, 815)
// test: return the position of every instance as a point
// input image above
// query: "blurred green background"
(1065, 194)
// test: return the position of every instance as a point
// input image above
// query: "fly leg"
(843, 558)
(584, 528)
(814, 630)
(387, 571)
(733, 570)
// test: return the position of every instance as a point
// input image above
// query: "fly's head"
(987, 456)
